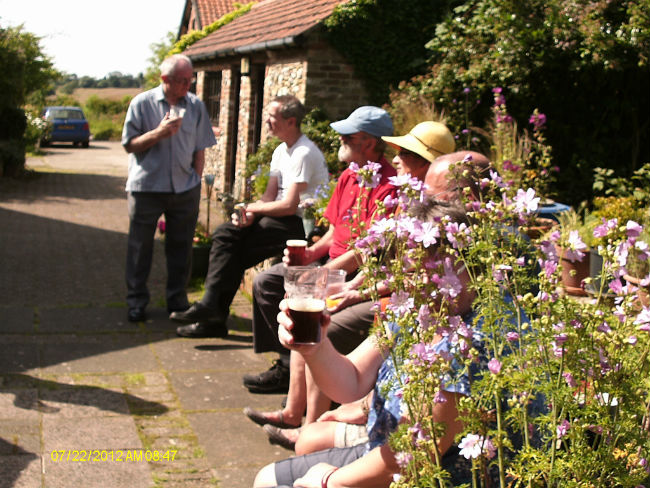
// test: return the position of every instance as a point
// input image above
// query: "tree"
(159, 51)
(27, 76)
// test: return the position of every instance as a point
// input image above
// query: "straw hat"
(428, 139)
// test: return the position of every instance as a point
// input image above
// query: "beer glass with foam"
(306, 287)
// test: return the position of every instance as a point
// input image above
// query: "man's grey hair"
(169, 65)
(290, 106)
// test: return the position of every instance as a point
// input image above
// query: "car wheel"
(85, 143)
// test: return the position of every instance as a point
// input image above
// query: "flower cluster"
(523, 160)
(558, 389)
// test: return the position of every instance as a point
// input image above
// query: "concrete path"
(87, 398)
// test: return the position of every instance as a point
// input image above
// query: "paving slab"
(96, 474)
(75, 374)
(223, 434)
(20, 471)
(84, 320)
(110, 354)
(16, 320)
(208, 354)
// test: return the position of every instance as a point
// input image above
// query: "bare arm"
(167, 128)
(342, 378)
(267, 205)
(376, 469)
(199, 162)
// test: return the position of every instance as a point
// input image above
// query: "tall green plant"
(583, 63)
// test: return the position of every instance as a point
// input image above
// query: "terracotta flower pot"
(540, 227)
(573, 272)
(643, 292)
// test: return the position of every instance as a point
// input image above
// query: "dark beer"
(306, 315)
(296, 249)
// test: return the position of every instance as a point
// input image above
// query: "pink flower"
(472, 446)
(576, 246)
(643, 320)
(494, 365)
(526, 201)
(563, 429)
(512, 336)
(633, 229)
(568, 377)
(538, 120)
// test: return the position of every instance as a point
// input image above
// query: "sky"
(96, 37)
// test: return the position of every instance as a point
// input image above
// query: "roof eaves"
(290, 41)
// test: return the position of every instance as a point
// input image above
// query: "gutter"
(281, 43)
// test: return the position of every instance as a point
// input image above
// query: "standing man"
(351, 204)
(298, 168)
(165, 133)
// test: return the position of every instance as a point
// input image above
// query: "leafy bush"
(583, 63)
(316, 127)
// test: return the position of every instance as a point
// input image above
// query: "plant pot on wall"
(573, 272)
(643, 292)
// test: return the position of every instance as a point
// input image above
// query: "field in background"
(83, 94)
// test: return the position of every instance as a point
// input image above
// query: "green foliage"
(637, 186)
(384, 39)
(27, 75)
(159, 51)
(316, 127)
(583, 63)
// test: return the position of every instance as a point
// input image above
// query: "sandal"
(260, 419)
(276, 436)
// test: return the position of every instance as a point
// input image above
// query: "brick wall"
(314, 72)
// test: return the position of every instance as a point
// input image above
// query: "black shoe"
(195, 313)
(137, 314)
(275, 380)
(202, 329)
(174, 309)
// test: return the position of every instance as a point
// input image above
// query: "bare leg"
(316, 436)
(296, 404)
(317, 402)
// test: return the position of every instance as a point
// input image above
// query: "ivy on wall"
(385, 39)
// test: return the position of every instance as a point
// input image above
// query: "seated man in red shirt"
(351, 203)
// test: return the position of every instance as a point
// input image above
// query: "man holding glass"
(166, 132)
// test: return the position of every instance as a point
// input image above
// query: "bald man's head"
(441, 186)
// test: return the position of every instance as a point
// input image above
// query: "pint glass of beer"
(306, 287)
(335, 282)
(296, 249)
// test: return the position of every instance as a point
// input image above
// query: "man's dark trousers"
(235, 249)
(181, 212)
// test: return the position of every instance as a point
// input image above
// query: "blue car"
(66, 124)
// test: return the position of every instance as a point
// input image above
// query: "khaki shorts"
(348, 435)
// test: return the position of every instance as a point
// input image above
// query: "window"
(213, 94)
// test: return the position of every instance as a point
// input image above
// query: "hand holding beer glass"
(305, 288)
(335, 284)
(296, 252)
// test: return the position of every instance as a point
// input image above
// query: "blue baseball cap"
(373, 120)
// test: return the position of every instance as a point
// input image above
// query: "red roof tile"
(212, 10)
(269, 21)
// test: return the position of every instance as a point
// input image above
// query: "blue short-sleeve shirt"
(167, 166)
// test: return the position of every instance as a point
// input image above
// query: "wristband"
(326, 478)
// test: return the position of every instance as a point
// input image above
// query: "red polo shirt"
(351, 203)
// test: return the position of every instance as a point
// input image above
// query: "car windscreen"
(66, 114)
